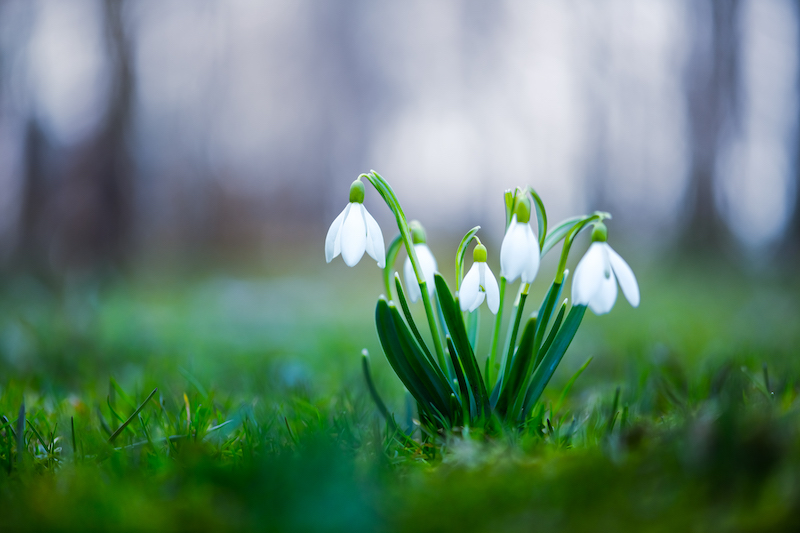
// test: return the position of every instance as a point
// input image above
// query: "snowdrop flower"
(426, 262)
(354, 231)
(479, 283)
(597, 274)
(519, 253)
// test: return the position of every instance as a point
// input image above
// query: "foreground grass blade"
(568, 387)
(21, 434)
(374, 392)
(131, 418)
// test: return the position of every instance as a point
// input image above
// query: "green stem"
(490, 377)
(386, 192)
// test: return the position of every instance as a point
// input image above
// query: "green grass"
(262, 421)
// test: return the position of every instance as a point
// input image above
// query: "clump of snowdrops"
(446, 380)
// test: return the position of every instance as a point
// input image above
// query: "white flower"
(479, 283)
(352, 233)
(428, 265)
(519, 253)
(596, 276)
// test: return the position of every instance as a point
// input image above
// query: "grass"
(238, 404)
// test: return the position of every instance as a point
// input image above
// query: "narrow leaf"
(391, 257)
(541, 216)
(455, 322)
(543, 373)
(130, 418)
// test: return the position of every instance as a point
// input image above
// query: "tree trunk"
(713, 88)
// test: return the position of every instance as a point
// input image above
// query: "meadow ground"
(687, 418)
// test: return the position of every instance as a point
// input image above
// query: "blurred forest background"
(140, 131)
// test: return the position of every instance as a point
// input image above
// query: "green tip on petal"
(357, 192)
(600, 232)
(523, 210)
(479, 254)
(418, 235)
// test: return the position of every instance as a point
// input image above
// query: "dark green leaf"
(543, 373)
(458, 333)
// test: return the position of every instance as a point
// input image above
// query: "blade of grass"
(130, 419)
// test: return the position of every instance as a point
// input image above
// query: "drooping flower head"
(354, 231)
(597, 274)
(426, 262)
(479, 284)
(519, 253)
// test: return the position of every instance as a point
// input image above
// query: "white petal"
(470, 288)
(492, 291)
(353, 235)
(428, 265)
(603, 300)
(514, 250)
(332, 239)
(411, 281)
(478, 301)
(625, 277)
(589, 274)
(532, 261)
(375, 247)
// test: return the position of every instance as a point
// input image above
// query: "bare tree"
(792, 234)
(95, 204)
(713, 87)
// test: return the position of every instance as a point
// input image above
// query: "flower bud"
(479, 254)
(599, 232)
(418, 235)
(357, 192)
(523, 210)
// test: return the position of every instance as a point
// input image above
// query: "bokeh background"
(169, 169)
(150, 129)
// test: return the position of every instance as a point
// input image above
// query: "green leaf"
(553, 331)
(391, 257)
(543, 373)
(541, 216)
(559, 232)
(401, 297)
(417, 335)
(521, 367)
(567, 225)
(467, 400)
(568, 386)
(412, 367)
(130, 418)
(455, 323)
(510, 199)
(461, 252)
(546, 311)
(473, 326)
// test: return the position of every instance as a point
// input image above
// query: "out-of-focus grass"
(262, 421)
